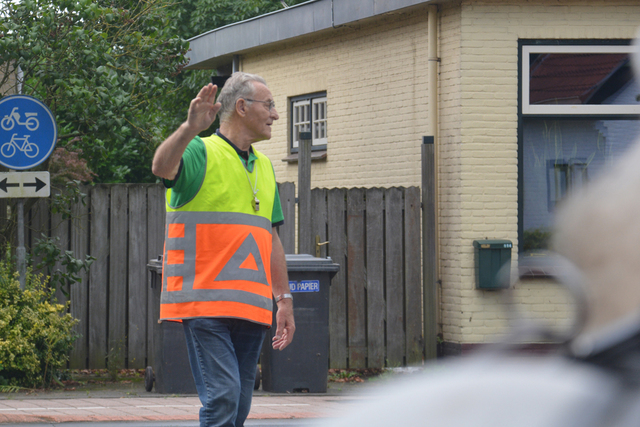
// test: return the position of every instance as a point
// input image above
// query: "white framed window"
(578, 80)
(580, 103)
(309, 114)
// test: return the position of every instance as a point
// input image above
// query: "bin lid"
(155, 265)
(492, 244)
(306, 262)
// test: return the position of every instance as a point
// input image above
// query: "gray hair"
(239, 85)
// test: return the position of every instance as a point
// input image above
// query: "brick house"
(373, 77)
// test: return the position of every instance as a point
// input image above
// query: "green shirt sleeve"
(277, 217)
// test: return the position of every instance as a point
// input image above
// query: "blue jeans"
(223, 354)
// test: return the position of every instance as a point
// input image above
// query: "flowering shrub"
(35, 334)
(66, 164)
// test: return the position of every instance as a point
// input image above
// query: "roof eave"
(216, 48)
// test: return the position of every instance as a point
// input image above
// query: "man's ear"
(241, 107)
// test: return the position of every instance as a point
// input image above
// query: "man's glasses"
(270, 104)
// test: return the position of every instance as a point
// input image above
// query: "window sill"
(539, 265)
(315, 155)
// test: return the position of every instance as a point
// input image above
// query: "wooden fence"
(374, 234)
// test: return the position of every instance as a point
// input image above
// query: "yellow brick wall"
(375, 75)
(487, 147)
(450, 174)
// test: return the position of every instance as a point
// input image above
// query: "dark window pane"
(560, 156)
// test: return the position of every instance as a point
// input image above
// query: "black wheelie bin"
(304, 365)
(170, 368)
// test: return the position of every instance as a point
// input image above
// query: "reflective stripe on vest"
(217, 264)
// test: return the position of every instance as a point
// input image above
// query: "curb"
(164, 409)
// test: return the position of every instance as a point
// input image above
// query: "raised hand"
(202, 113)
(203, 109)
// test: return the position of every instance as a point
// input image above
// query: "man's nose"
(274, 114)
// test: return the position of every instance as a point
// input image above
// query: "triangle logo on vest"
(245, 264)
(250, 263)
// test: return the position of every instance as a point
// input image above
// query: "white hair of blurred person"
(598, 229)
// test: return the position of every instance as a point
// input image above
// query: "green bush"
(35, 334)
(536, 239)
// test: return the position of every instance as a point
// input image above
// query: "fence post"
(429, 247)
(305, 239)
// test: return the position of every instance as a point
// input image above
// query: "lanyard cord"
(254, 187)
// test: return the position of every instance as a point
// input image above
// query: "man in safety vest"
(223, 260)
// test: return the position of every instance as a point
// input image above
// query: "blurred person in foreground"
(223, 261)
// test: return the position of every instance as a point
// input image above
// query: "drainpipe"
(430, 251)
(433, 70)
(235, 64)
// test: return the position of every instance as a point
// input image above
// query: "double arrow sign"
(24, 184)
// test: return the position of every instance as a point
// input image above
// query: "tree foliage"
(195, 17)
(112, 72)
(101, 67)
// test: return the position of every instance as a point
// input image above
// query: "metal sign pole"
(21, 251)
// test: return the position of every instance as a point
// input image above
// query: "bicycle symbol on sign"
(29, 149)
(10, 120)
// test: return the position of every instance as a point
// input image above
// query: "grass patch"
(353, 375)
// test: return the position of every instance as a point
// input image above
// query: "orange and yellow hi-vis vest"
(217, 256)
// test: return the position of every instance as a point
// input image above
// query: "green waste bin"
(490, 257)
(304, 365)
(170, 368)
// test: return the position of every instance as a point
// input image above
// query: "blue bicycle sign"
(28, 132)
(8, 149)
